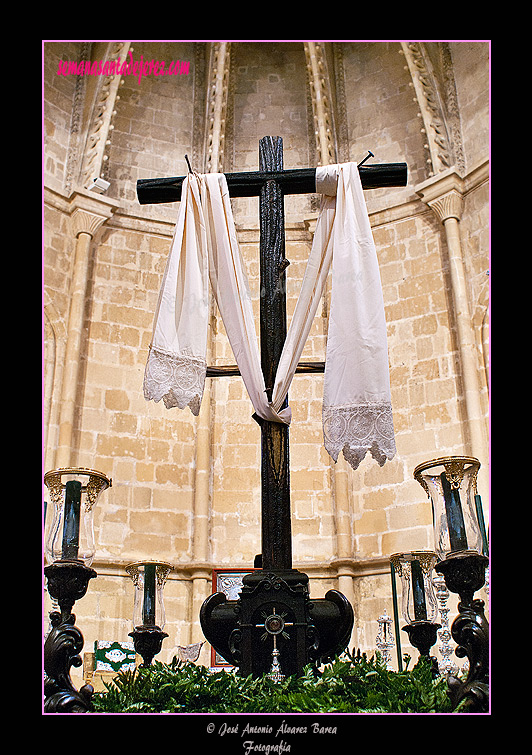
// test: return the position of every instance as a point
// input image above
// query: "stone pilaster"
(88, 213)
(444, 195)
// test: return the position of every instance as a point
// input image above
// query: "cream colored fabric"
(357, 410)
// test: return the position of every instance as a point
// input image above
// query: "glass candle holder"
(149, 578)
(451, 485)
(415, 571)
(73, 492)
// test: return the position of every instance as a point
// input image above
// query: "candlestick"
(67, 581)
(384, 641)
(70, 549)
(464, 574)
(148, 578)
(418, 600)
(446, 665)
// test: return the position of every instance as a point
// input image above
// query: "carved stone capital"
(443, 194)
(89, 211)
(448, 206)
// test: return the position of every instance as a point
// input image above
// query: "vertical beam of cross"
(275, 474)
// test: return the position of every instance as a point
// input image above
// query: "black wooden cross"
(271, 183)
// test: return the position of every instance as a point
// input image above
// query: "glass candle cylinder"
(418, 598)
(451, 484)
(73, 492)
(149, 578)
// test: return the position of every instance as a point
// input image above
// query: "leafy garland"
(349, 684)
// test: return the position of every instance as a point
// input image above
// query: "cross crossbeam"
(232, 370)
(296, 181)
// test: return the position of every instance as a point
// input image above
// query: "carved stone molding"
(218, 84)
(201, 62)
(435, 127)
(322, 104)
(76, 123)
(100, 124)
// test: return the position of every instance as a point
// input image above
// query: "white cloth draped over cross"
(357, 412)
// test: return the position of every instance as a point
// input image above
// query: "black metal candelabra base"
(423, 635)
(275, 627)
(67, 582)
(148, 642)
(465, 574)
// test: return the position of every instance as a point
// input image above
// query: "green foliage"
(349, 684)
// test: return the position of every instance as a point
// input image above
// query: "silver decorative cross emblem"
(274, 624)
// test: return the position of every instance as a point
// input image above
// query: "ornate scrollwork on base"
(471, 632)
(423, 635)
(148, 642)
(67, 581)
(61, 652)
(269, 602)
(464, 574)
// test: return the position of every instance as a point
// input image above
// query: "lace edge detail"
(357, 430)
(176, 379)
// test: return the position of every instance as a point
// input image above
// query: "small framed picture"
(228, 581)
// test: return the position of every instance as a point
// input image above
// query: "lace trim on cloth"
(177, 379)
(355, 430)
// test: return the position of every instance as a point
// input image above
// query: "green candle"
(396, 618)
(455, 517)
(418, 592)
(70, 544)
(148, 608)
(480, 517)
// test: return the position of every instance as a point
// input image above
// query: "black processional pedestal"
(275, 626)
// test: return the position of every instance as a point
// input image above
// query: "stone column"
(88, 213)
(342, 561)
(444, 195)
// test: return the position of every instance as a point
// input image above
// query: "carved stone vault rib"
(428, 96)
(322, 108)
(100, 124)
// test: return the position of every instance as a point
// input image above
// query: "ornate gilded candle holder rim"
(454, 466)
(163, 568)
(427, 560)
(54, 473)
(442, 461)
